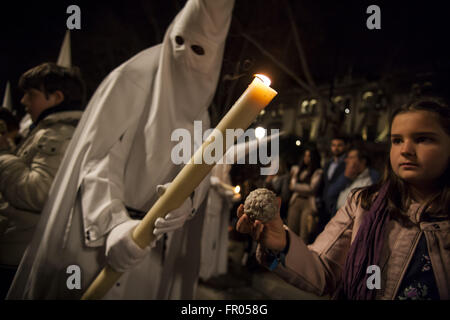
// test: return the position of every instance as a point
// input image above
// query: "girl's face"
(420, 149)
(307, 158)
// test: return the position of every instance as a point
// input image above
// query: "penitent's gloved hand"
(122, 252)
(214, 181)
(174, 219)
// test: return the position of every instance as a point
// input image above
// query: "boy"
(54, 98)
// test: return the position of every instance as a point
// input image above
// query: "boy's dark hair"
(49, 77)
(398, 195)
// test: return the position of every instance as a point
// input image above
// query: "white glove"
(174, 219)
(214, 181)
(122, 252)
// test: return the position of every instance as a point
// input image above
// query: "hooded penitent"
(119, 154)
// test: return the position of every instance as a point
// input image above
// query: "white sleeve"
(106, 141)
(102, 194)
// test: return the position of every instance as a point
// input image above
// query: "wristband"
(279, 257)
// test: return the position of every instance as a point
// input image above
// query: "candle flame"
(237, 189)
(264, 79)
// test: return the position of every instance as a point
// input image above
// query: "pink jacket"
(318, 267)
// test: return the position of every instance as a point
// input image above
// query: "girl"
(304, 183)
(390, 240)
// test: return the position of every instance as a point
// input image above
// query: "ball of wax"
(261, 204)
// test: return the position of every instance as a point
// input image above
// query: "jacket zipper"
(405, 269)
(430, 240)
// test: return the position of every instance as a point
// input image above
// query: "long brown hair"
(399, 194)
(313, 165)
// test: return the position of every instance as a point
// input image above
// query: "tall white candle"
(256, 97)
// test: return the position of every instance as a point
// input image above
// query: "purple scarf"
(365, 251)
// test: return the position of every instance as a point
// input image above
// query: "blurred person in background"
(304, 183)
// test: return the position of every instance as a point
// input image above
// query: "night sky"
(413, 37)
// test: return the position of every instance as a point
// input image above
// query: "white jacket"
(119, 154)
(25, 180)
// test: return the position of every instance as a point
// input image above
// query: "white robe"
(119, 153)
(214, 252)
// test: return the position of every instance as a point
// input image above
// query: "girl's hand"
(270, 235)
